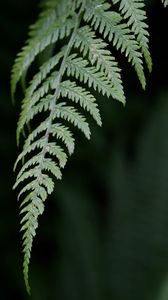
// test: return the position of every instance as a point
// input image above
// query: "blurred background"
(104, 233)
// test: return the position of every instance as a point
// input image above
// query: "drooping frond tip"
(135, 15)
(61, 92)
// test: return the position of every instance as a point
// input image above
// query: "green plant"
(75, 37)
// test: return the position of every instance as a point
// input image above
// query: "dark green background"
(104, 233)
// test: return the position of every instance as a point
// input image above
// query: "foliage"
(77, 35)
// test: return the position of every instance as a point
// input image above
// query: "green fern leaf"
(44, 70)
(70, 114)
(119, 33)
(58, 152)
(80, 95)
(35, 46)
(105, 62)
(78, 68)
(41, 128)
(51, 167)
(75, 68)
(63, 133)
(27, 174)
(133, 11)
(36, 145)
(31, 162)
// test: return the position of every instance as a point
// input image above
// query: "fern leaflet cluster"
(133, 12)
(82, 34)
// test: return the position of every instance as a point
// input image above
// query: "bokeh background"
(104, 233)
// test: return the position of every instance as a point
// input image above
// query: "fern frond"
(70, 114)
(50, 166)
(58, 152)
(96, 50)
(37, 144)
(63, 133)
(80, 95)
(36, 45)
(41, 128)
(80, 69)
(28, 110)
(133, 11)
(81, 64)
(30, 163)
(44, 70)
(52, 149)
(108, 23)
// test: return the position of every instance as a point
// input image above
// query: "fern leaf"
(44, 70)
(28, 110)
(80, 95)
(109, 25)
(43, 194)
(30, 224)
(80, 65)
(50, 166)
(70, 114)
(58, 152)
(105, 62)
(41, 128)
(133, 11)
(35, 46)
(31, 162)
(36, 145)
(27, 174)
(63, 133)
(48, 184)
